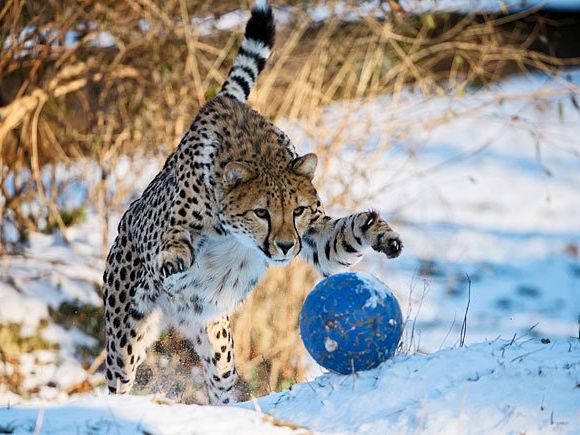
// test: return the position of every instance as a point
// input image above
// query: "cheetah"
(232, 199)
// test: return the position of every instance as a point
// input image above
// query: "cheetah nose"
(285, 246)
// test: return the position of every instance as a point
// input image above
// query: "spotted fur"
(232, 199)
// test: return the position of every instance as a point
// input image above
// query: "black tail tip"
(261, 26)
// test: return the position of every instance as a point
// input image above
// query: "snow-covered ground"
(484, 189)
(503, 386)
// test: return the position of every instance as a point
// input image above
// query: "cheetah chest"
(223, 274)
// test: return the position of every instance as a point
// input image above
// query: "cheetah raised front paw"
(380, 235)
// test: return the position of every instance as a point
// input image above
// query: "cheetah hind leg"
(214, 344)
(127, 342)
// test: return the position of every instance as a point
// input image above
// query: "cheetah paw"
(170, 264)
(380, 236)
(389, 244)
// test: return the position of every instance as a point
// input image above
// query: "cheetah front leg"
(334, 245)
(214, 344)
(130, 319)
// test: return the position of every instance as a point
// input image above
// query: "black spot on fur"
(136, 314)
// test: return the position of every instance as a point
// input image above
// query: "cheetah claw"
(391, 247)
(172, 267)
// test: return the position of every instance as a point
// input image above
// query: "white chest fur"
(223, 274)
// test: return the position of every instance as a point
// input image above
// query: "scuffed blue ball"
(351, 322)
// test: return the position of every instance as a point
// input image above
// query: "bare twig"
(464, 324)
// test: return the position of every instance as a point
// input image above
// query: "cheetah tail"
(253, 53)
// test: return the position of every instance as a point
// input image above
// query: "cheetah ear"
(305, 165)
(237, 173)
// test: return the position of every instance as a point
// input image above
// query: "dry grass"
(266, 330)
(61, 104)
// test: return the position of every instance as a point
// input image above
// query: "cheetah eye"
(262, 213)
(299, 210)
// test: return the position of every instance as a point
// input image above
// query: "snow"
(484, 189)
(502, 386)
(49, 274)
(134, 415)
(378, 291)
(330, 345)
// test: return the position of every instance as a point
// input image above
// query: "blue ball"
(351, 322)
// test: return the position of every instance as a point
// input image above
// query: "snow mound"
(496, 387)
(520, 386)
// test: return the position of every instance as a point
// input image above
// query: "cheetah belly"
(223, 274)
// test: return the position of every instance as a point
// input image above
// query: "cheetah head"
(269, 207)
